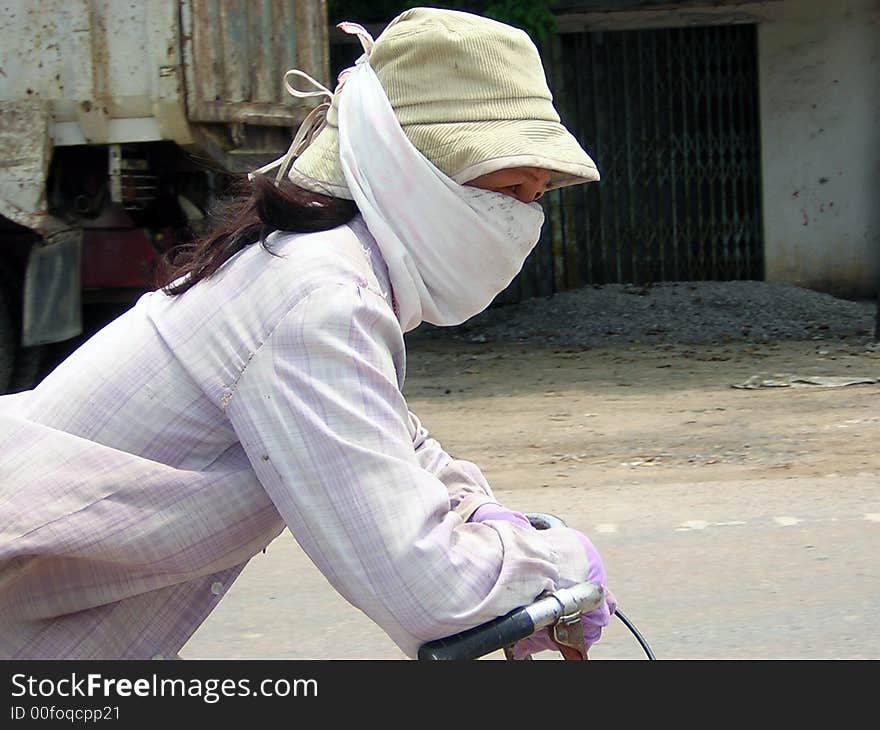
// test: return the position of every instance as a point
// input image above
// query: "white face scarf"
(449, 248)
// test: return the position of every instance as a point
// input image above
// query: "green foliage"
(533, 16)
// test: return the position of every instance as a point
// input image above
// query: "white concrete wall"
(819, 66)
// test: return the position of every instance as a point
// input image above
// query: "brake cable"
(641, 639)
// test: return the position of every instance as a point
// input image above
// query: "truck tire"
(7, 344)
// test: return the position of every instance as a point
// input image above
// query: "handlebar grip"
(515, 625)
(481, 640)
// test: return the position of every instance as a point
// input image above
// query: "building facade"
(736, 140)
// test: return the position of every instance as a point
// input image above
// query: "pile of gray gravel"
(704, 312)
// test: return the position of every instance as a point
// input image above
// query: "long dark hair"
(252, 211)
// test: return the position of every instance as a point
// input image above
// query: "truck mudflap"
(52, 309)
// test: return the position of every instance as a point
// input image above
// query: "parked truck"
(120, 122)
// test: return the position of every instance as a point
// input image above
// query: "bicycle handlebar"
(516, 625)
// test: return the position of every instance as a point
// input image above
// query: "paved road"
(783, 568)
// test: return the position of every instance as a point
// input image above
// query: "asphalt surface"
(741, 570)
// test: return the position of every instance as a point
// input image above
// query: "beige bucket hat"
(470, 94)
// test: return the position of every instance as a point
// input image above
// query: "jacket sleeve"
(465, 483)
(320, 415)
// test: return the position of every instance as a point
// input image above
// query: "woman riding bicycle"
(261, 388)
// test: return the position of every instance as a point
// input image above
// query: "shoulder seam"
(229, 390)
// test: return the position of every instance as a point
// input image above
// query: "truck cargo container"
(120, 122)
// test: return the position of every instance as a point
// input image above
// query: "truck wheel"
(8, 344)
(30, 368)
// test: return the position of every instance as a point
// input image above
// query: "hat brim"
(468, 150)
(464, 151)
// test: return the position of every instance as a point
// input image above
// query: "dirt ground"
(550, 417)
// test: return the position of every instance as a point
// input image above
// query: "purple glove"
(493, 511)
(592, 622)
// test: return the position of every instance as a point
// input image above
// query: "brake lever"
(568, 635)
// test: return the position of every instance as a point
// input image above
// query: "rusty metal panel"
(25, 151)
(109, 71)
(236, 53)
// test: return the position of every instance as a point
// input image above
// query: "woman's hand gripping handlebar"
(560, 611)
